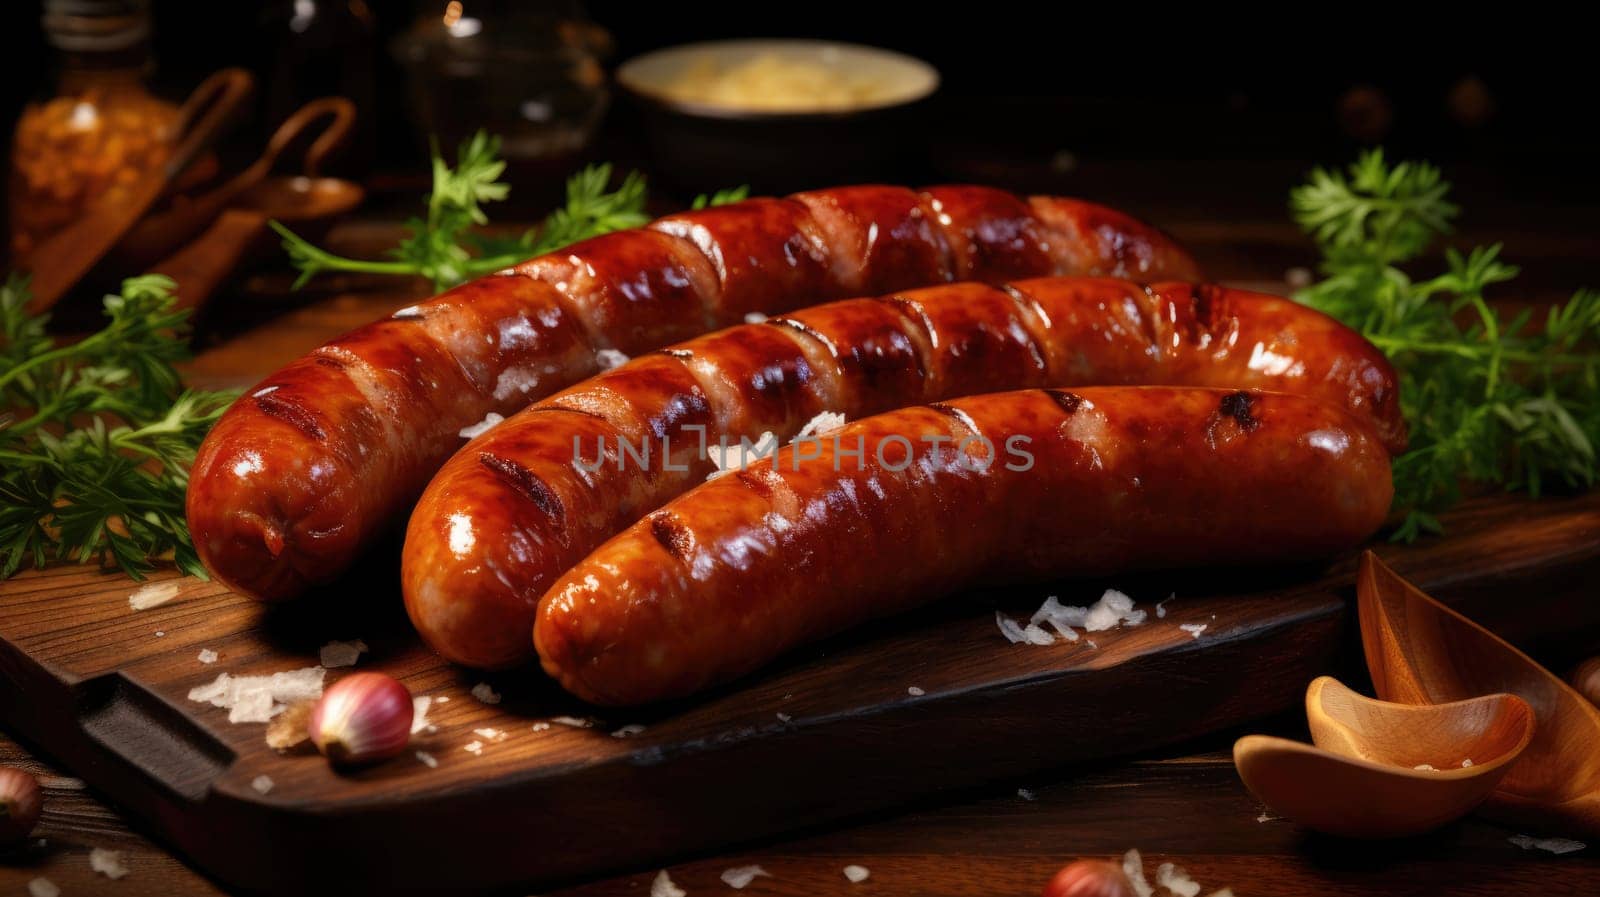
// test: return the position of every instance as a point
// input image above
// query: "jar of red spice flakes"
(100, 133)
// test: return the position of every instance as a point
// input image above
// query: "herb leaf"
(443, 247)
(96, 437)
(1488, 400)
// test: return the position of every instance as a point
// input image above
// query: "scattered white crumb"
(490, 734)
(915, 692)
(442, 699)
(1425, 767)
(739, 876)
(160, 634)
(475, 748)
(108, 863)
(1553, 845)
(663, 886)
(610, 358)
(1176, 880)
(573, 721)
(1133, 868)
(483, 692)
(342, 654)
(207, 656)
(1193, 629)
(628, 731)
(1264, 817)
(262, 784)
(44, 887)
(785, 718)
(541, 727)
(826, 422)
(1161, 606)
(427, 759)
(857, 874)
(257, 699)
(419, 714)
(489, 422)
(754, 317)
(153, 594)
(1113, 610)
(1026, 794)
(729, 458)
(1092, 643)
(1467, 763)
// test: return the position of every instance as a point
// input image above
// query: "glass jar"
(100, 133)
(526, 71)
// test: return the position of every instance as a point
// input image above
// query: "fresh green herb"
(1488, 399)
(442, 246)
(96, 437)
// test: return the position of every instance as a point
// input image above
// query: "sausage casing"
(749, 565)
(526, 500)
(324, 455)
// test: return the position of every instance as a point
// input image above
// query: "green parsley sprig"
(443, 247)
(97, 436)
(1488, 399)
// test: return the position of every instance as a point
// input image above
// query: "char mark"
(1069, 401)
(291, 413)
(545, 409)
(1240, 407)
(524, 483)
(673, 535)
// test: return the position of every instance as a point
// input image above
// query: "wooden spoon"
(1362, 778)
(1421, 652)
(166, 231)
(202, 266)
(62, 260)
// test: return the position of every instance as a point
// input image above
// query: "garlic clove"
(20, 803)
(363, 718)
(1089, 878)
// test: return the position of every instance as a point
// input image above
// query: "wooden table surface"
(1184, 805)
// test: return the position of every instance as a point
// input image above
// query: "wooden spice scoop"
(1382, 770)
(1421, 652)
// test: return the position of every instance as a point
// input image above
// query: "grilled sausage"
(324, 455)
(1090, 482)
(520, 504)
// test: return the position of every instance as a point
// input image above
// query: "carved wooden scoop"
(1382, 770)
(1421, 652)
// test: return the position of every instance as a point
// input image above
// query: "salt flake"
(108, 863)
(489, 422)
(207, 656)
(427, 759)
(485, 693)
(663, 886)
(262, 784)
(740, 876)
(153, 594)
(609, 359)
(419, 713)
(1194, 629)
(857, 874)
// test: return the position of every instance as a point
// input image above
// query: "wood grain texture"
(93, 683)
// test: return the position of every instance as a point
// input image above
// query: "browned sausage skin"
(749, 565)
(326, 454)
(483, 544)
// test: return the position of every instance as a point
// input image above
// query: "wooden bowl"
(1381, 770)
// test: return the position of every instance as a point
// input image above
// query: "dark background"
(1228, 106)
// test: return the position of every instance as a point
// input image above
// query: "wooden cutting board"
(828, 733)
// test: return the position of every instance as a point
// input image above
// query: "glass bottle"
(101, 132)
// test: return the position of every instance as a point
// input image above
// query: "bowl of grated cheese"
(774, 113)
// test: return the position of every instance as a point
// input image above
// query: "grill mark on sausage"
(802, 327)
(909, 311)
(1240, 407)
(525, 483)
(1070, 402)
(292, 414)
(960, 417)
(328, 361)
(545, 409)
(672, 534)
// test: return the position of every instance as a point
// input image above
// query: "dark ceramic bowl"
(702, 145)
